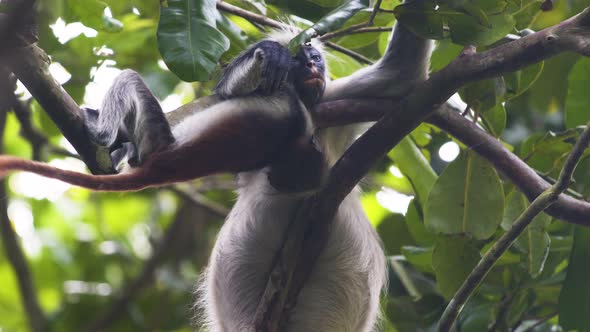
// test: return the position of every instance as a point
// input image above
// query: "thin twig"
(358, 57)
(355, 30)
(226, 7)
(374, 12)
(278, 25)
(541, 321)
(543, 201)
(356, 27)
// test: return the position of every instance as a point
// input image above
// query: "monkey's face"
(308, 74)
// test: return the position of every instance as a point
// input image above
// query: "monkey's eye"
(316, 58)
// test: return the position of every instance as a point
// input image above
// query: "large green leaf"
(521, 80)
(415, 221)
(574, 300)
(467, 30)
(188, 39)
(421, 18)
(466, 199)
(495, 119)
(414, 165)
(89, 12)
(483, 95)
(534, 241)
(332, 21)
(578, 98)
(452, 260)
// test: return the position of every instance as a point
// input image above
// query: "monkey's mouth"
(315, 80)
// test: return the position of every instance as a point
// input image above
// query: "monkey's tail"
(116, 182)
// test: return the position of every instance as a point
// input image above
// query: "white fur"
(244, 78)
(342, 293)
(189, 128)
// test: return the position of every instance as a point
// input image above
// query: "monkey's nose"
(310, 64)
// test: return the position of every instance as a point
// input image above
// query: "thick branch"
(30, 64)
(316, 214)
(517, 171)
(526, 179)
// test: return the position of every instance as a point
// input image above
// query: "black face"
(307, 73)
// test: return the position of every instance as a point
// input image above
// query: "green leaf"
(415, 166)
(520, 81)
(342, 65)
(443, 54)
(527, 13)
(188, 40)
(578, 98)
(466, 30)
(419, 257)
(495, 120)
(574, 299)
(546, 153)
(534, 241)
(467, 199)
(421, 18)
(332, 21)
(416, 227)
(89, 12)
(453, 258)
(483, 95)
(394, 234)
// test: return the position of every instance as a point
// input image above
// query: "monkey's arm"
(404, 64)
(260, 69)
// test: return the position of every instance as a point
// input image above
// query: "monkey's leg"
(130, 113)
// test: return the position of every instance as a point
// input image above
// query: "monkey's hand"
(260, 69)
(276, 61)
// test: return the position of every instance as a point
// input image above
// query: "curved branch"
(517, 171)
(315, 215)
(31, 65)
(527, 180)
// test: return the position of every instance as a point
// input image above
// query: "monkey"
(258, 124)
(131, 123)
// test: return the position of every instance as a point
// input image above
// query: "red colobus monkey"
(258, 124)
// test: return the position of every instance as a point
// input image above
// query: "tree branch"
(31, 66)
(14, 253)
(36, 138)
(315, 216)
(527, 180)
(544, 200)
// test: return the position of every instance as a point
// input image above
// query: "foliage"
(84, 248)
